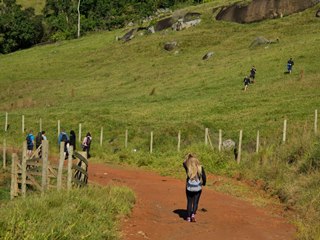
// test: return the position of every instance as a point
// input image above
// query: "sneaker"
(193, 218)
(188, 219)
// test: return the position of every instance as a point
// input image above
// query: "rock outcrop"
(259, 10)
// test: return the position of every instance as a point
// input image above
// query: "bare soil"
(159, 211)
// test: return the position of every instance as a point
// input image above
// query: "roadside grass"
(88, 213)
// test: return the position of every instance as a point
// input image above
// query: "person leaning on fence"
(196, 178)
(30, 143)
(86, 144)
(38, 143)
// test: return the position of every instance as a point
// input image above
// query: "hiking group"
(251, 79)
(63, 137)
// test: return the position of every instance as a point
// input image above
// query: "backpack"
(29, 140)
(194, 185)
(64, 138)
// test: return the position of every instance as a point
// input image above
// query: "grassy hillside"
(101, 82)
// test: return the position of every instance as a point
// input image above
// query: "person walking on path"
(86, 144)
(253, 74)
(196, 178)
(246, 82)
(290, 64)
(30, 143)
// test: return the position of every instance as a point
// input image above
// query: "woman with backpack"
(196, 178)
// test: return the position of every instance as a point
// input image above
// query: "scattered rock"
(228, 144)
(180, 24)
(318, 13)
(258, 10)
(190, 16)
(262, 41)
(164, 24)
(151, 29)
(207, 56)
(169, 46)
(129, 35)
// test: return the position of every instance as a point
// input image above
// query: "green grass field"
(100, 82)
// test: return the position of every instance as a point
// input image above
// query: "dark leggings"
(192, 202)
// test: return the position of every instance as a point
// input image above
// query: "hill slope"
(101, 82)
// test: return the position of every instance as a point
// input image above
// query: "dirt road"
(160, 210)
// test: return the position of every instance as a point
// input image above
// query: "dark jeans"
(192, 202)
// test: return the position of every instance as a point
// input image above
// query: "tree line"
(60, 19)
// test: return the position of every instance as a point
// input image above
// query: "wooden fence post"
(4, 156)
(239, 147)
(58, 127)
(258, 142)
(60, 167)
(206, 136)
(179, 140)
(6, 123)
(45, 149)
(13, 189)
(151, 141)
(22, 124)
(220, 139)
(315, 121)
(126, 139)
(69, 182)
(284, 131)
(101, 136)
(80, 140)
(24, 169)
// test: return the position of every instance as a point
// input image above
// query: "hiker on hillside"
(86, 144)
(290, 64)
(73, 141)
(30, 143)
(246, 82)
(253, 74)
(196, 178)
(63, 137)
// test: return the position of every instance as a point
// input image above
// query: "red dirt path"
(160, 207)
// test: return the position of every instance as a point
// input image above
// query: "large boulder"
(262, 41)
(191, 16)
(129, 35)
(258, 10)
(164, 24)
